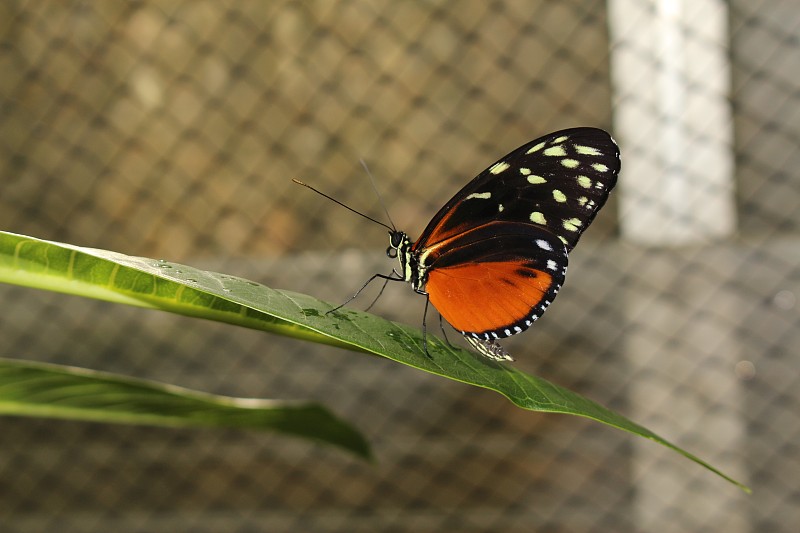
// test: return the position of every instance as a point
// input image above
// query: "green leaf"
(55, 391)
(182, 289)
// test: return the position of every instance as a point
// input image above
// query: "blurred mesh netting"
(172, 130)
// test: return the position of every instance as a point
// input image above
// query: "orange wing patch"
(489, 296)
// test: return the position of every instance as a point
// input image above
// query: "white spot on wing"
(497, 168)
(555, 151)
(551, 265)
(535, 148)
(538, 218)
(559, 196)
(479, 196)
(536, 180)
(570, 163)
(544, 245)
(600, 167)
(587, 150)
(572, 224)
(560, 139)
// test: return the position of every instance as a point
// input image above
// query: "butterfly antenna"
(375, 188)
(343, 205)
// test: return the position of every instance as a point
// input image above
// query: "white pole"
(670, 74)
(673, 122)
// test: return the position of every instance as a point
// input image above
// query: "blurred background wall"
(172, 129)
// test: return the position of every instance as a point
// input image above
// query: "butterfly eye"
(395, 238)
(391, 252)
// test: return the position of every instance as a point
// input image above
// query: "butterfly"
(494, 257)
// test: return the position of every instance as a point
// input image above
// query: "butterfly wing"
(495, 280)
(495, 256)
(557, 182)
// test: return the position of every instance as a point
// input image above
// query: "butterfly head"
(400, 247)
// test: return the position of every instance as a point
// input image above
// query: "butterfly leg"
(370, 280)
(424, 325)
(385, 283)
(444, 332)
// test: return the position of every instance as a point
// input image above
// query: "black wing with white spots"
(557, 182)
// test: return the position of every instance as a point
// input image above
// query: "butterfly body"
(494, 257)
